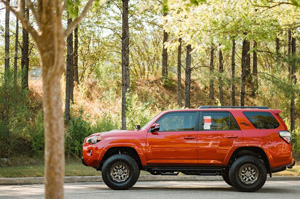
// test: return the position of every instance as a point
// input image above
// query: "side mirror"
(138, 127)
(154, 127)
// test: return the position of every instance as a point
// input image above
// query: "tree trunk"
(277, 51)
(7, 42)
(16, 53)
(125, 60)
(76, 79)
(289, 49)
(293, 79)
(211, 70)
(255, 77)
(165, 56)
(25, 54)
(245, 69)
(233, 74)
(51, 47)
(221, 69)
(187, 95)
(69, 75)
(179, 97)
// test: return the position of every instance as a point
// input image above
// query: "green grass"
(78, 169)
(71, 169)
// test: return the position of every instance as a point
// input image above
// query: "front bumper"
(83, 162)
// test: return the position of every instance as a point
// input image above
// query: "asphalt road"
(159, 189)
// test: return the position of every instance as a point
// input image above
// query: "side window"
(177, 121)
(218, 121)
(262, 120)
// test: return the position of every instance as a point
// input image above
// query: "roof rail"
(243, 107)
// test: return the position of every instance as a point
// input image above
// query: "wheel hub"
(119, 172)
(248, 173)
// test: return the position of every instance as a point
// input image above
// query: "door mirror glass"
(154, 127)
(138, 127)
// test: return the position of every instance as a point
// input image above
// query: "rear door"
(176, 141)
(219, 134)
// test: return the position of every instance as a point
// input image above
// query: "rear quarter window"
(262, 120)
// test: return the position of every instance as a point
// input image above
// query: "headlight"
(94, 139)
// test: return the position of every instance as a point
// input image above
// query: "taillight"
(285, 135)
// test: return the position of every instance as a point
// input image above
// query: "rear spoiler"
(276, 111)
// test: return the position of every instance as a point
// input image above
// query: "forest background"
(173, 54)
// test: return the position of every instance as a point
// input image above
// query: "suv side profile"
(243, 144)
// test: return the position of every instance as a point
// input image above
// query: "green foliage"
(77, 130)
(137, 112)
(38, 137)
(296, 141)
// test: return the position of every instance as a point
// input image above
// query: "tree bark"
(165, 56)
(179, 97)
(16, 53)
(233, 74)
(187, 93)
(293, 79)
(7, 42)
(255, 77)
(245, 69)
(221, 69)
(289, 49)
(25, 53)
(76, 79)
(125, 60)
(211, 70)
(69, 75)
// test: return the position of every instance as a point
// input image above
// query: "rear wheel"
(120, 172)
(248, 174)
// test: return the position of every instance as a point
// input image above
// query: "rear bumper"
(289, 166)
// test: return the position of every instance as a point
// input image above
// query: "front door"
(176, 141)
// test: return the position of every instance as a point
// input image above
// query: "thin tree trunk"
(69, 75)
(211, 70)
(187, 94)
(255, 77)
(16, 53)
(125, 60)
(221, 69)
(25, 54)
(76, 79)
(179, 97)
(7, 42)
(293, 79)
(165, 56)
(245, 69)
(289, 49)
(233, 74)
(277, 51)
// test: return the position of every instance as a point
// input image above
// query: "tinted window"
(218, 121)
(177, 121)
(262, 120)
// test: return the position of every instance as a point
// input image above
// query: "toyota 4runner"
(242, 144)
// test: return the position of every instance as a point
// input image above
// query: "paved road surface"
(159, 190)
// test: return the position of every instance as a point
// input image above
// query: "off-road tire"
(125, 163)
(248, 174)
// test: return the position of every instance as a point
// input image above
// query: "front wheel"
(248, 174)
(120, 172)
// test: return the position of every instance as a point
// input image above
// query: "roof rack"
(244, 107)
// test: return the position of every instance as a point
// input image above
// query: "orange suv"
(243, 144)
